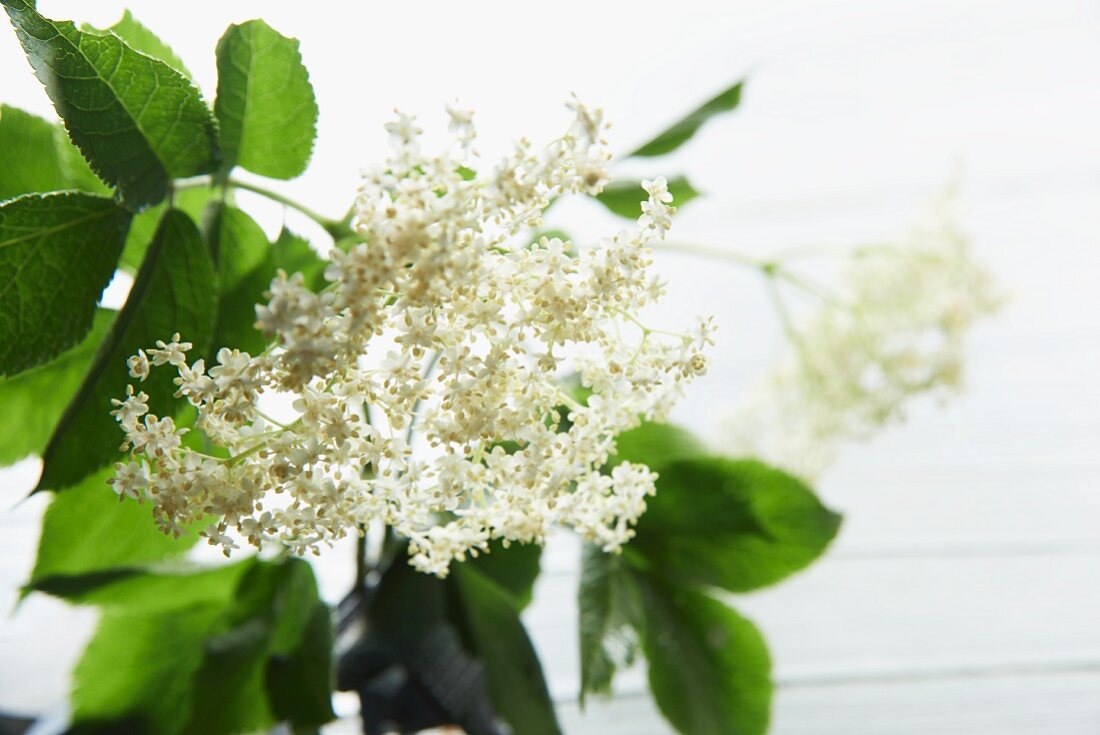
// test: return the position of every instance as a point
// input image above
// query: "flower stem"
(772, 269)
(711, 252)
(336, 228)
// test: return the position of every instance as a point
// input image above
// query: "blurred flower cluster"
(894, 329)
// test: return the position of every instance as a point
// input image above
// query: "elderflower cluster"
(895, 331)
(448, 321)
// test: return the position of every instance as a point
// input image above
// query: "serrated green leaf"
(57, 253)
(682, 130)
(86, 530)
(513, 569)
(655, 445)
(265, 104)
(496, 636)
(39, 158)
(34, 400)
(175, 291)
(625, 198)
(77, 170)
(734, 524)
(139, 122)
(140, 38)
(210, 658)
(709, 668)
(609, 615)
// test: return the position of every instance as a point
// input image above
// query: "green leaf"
(77, 170)
(140, 38)
(242, 259)
(247, 263)
(139, 122)
(137, 674)
(609, 616)
(38, 157)
(57, 253)
(239, 245)
(175, 291)
(133, 588)
(292, 253)
(625, 198)
(410, 625)
(492, 629)
(193, 201)
(514, 569)
(272, 620)
(681, 131)
(299, 676)
(709, 668)
(463, 641)
(655, 445)
(206, 663)
(34, 400)
(299, 681)
(265, 104)
(28, 148)
(734, 524)
(86, 530)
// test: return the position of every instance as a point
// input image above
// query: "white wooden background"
(963, 595)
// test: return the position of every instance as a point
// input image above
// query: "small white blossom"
(461, 124)
(131, 409)
(173, 353)
(131, 480)
(139, 365)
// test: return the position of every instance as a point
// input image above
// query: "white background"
(964, 593)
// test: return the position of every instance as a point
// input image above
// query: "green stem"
(361, 570)
(772, 269)
(428, 370)
(785, 319)
(718, 253)
(336, 228)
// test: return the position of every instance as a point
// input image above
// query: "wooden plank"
(866, 617)
(1063, 703)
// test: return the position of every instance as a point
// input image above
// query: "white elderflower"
(173, 353)
(461, 125)
(131, 480)
(131, 409)
(896, 331)
(443, 323)
(139, 365)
